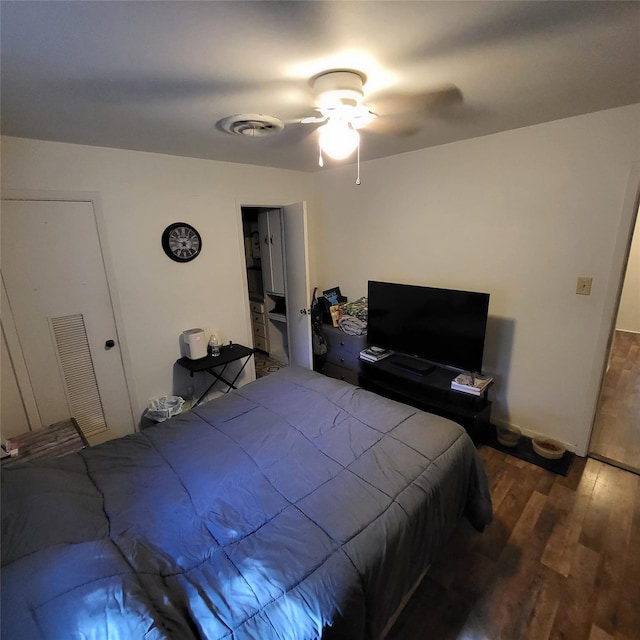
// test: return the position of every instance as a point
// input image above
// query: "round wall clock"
(181, 242)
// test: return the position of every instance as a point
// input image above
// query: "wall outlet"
(583, 287)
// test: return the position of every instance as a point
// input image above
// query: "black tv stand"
(412, 365)
(427, 386)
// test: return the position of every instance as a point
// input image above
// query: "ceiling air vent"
(251, 125)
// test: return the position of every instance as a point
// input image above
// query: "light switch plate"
(583, 287)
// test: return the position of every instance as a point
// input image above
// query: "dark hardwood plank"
(561, 560)
(629, 609)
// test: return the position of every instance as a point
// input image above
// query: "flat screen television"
(442, 326)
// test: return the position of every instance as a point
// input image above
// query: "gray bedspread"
(297, 507)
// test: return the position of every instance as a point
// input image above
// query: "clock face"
(181, 242)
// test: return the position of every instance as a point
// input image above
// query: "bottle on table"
(214, 345)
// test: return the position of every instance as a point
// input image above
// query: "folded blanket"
(353, 326)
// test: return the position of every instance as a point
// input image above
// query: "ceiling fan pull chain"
(358, 177)
(320, 159)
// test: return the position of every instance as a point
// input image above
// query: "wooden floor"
(560, 560)
(265, 364)
(616, 432)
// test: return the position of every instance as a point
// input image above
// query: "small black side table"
(209, 364)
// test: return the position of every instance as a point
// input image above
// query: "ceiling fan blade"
(396, 126)
(401, 114)
(313, 120)
(426, 103)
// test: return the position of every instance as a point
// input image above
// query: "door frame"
(260, 203)
(630, 217)
(93, 198)
(18, 363)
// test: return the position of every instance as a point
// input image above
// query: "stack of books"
(373, 354)
(470, 383)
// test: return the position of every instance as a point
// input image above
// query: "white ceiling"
(158, 76)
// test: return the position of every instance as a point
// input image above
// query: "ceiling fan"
(342, 112)
(339, 96)
(339, 99)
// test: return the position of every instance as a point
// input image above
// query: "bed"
(296, 507)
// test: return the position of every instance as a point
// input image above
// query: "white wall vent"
(253, 125)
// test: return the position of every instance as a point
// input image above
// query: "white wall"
(520, 215)
(140, 194)
(629, 311)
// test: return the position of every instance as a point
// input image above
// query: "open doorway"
(616, 432)
(276, 261)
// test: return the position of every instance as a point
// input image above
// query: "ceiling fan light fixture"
(334, 89)
(338, 139)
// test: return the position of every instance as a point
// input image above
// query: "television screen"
(443, 326)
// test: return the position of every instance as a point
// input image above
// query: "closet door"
(265, 250)
(272, 251)
(60, 304)
(277, 251)
(298, 289)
